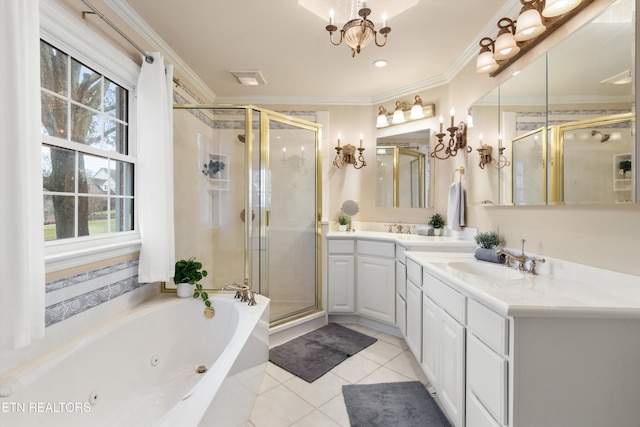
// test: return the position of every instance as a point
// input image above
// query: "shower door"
(287, 251)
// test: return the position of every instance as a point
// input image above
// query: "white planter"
(185, 290)
(437, 231)
(342, 227)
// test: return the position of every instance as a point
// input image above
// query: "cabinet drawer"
(342, 246)
(487, 378)
(453, 302)
(400, 254)
(414, 272)
(490, 327)
(381, 249)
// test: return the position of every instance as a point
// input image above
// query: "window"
(87, 167)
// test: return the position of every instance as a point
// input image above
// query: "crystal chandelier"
(359, 31)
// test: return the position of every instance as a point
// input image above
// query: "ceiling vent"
(249, 77)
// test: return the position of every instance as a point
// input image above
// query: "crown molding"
(131, 17)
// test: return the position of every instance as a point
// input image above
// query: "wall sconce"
(486, 156)
(457, 140)
(347, 155)
(416, 111)
(517, 37)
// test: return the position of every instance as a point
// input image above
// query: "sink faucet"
(521, 259)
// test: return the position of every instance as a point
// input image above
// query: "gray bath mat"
(403, 404)
(312, 355)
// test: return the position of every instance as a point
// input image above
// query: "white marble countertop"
(414, 242)
(565, 290)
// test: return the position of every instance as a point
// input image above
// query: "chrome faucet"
(521, 259)
(243, 292)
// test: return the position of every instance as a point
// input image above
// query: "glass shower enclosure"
(247, 191)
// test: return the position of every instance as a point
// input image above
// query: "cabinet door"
(401, 315)
(341, 284)
(414, 320)
(401, 279)
(376, 285)
(487, 378)
(451, 378)
(430, 340)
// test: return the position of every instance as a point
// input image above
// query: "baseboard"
(353, 318)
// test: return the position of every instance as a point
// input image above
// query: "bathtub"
(141, 369)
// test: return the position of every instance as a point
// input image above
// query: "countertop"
(414, 242)
(580, 291)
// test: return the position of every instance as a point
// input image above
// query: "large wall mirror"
(567, 120)
(403, 169)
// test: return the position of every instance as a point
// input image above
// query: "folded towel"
(455, 207)
(490, 255)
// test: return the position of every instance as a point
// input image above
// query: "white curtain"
(155, 170)
(21, 208)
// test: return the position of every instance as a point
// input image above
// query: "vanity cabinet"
(401, 289)
(443, 344)
(341, 276)
(376, 281)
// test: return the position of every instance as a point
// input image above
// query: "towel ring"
(461, 171)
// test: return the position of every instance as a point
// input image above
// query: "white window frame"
(68, 34)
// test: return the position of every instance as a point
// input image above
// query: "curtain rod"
(147, 57)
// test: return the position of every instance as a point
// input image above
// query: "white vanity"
(501, 348)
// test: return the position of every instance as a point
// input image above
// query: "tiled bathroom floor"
(285, 400)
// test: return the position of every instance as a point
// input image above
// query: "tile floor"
(285, 400)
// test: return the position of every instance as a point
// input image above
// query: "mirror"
(403, 170)
(547, 112)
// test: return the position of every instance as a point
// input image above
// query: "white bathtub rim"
(190, 409)
(20, 377)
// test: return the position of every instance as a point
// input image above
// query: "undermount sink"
(487, 270)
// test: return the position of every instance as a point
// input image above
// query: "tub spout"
(243, 292)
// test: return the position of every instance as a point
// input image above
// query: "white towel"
(455, 207)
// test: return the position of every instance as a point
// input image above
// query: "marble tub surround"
(561, 288)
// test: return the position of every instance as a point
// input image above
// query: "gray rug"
(312, 355)
(403, 404)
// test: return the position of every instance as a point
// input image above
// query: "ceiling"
(427, 45)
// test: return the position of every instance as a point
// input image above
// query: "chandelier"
(359, 31)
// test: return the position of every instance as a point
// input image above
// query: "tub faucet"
(243, 292)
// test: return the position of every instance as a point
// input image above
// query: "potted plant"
(488, 240)
(437, 223)
(343, 220)
(187, 274)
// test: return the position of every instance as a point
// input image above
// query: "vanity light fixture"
(505, 45)
(529, 24)
(416, 111)
(359, 31)
(346, 155)
(537, 17)
(457, 140)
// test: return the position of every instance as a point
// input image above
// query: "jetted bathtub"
(162, 364)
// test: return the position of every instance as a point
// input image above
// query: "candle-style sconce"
(346, 155)
(457, 140)
(486, 156)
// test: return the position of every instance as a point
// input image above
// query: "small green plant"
(343, 219)
(436, 221)
(190, 271)
(488, 240)
(625, 165)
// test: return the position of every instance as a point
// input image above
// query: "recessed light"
(380, 63)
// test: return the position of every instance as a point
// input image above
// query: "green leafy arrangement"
(488, 240)
(343, 219)
(190, 271)
(436, 221)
